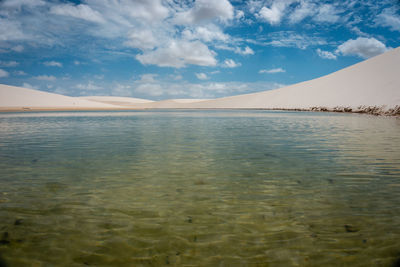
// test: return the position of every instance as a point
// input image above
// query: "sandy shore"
(372, 86)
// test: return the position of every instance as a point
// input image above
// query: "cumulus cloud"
(246, 51)
(297, 10)
(46, 78)
(362, 47)
(237, 50)
(273, 14)
(272, 71)
(178, 54)
(326, 54)
(230, 63)
(389, 18)
(53, 64)
(142, 39)
(3, 73)
(206, 10)
(201, 76)
(156, 27)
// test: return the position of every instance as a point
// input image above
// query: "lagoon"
(199, 188)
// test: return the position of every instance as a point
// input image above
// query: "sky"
(164, 49)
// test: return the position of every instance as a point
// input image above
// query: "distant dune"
(372, 86)
(17, 98)
(117, 100)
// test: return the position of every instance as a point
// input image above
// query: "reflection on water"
(199, 188)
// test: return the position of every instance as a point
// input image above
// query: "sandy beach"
(371, 86)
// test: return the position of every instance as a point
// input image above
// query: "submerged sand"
(372, 86)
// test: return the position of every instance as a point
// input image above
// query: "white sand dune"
(17, 98)
(117, 100)
(372, 83)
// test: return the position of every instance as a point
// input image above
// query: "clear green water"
(199, 188)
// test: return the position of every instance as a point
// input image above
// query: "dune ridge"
(371, 86)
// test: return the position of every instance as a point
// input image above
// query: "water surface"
(199, 188)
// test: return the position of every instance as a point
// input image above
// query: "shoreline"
(368, 110)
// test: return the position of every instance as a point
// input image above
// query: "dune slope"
(374, 82)
(17, 98)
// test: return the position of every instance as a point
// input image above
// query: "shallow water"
(199, 188)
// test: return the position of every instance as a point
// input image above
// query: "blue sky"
(159, 49)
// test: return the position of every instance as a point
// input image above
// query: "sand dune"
(17, 98)
(117, 100)
(372, 85)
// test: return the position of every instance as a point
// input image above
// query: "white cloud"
(201, 76)
(77, 63)
(206, 10)
(362, 47)
(3, 73)
(122, 12)
(272, 71)
(326, 54)
(206, 34)
(9, 63)
(230, 63)
(239, 14)
(80, 11)
(11, 30)
(246, 51)
(46, 78)
(53, 64)
(389, 18)
(142, 39)
(305, 9)
(274, 14)
(237, 50)
(178, 54)
(357, 31)
(327, 13)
